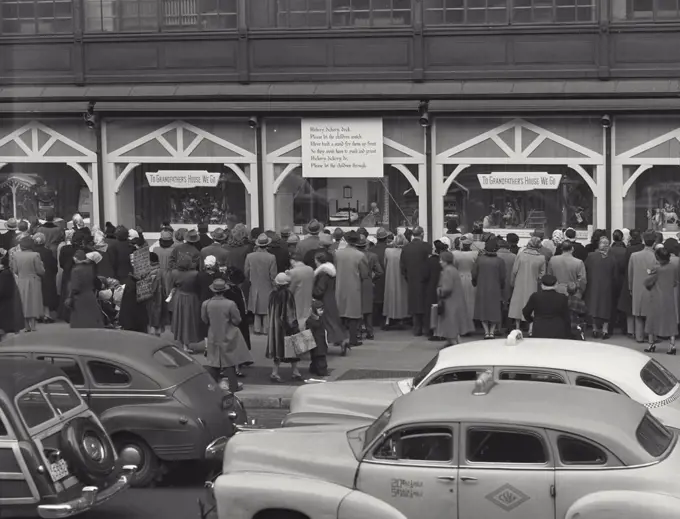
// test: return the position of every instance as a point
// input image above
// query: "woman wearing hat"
(465, 260)
(225, 347)
(260, 270)
(82, 301)
(189, 249)
(49, 279)
(164, 249)
(28, 268)
(529, 268)
(395, 304)
(488, 276)
(185, 304)
(11, 309)
(282, 323)
(452, 312)
(548, 311)
(433, 269)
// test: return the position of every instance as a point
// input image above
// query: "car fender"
(306, 418)
(619, 504)
(241, 495)
(358, 505)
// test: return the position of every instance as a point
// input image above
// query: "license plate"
(58, 470)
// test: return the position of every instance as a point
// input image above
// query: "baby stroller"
(109, 298)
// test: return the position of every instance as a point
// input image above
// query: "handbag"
(296, 345)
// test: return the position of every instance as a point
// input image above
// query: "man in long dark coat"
(379, 284)
(413, 264)
(602, 271)
(375, 271)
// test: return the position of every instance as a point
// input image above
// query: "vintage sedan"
(159, 404)
(512, 450)
(588, 364)
(56, 460)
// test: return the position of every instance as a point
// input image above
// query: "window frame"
(113, 365)
(445, 371)
(37, 20)
(613, 461)
(36, 356)
(561, 374)
(575, 375)
(630, 16)
(537, 432)
(454, 428)
(5, 422)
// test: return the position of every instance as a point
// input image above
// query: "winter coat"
(625, 303)
(375, 271)
(215, 249)
(238, 251)
(529, 268)
(301, 286)
(156, 307)
(454, 321)
(324, 291)
(85, 312)
(549, 311)
(352, 269)
(184, 250)
(639, 265)
(433, 269)
(260, 270)
(11, 310)
(186, 307)
(568, 269)
(133, 314)
(413, 264)
(204, 241)
(464, 261)
(311, 242)
(379, 283)
(580, 251)
(280, 252)
(603, 276)
(395, 303)
(28, 268)
(105, 267)
(282, 323)
(48, 281)
(164, 269)
(226, 346)
(54, 235)
(488, 276)
(662, 319)
(508, 258)
(120, 251)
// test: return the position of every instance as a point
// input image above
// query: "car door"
(414, 470)
(505, 472)
(71, 366)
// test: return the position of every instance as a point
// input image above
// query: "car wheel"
(132, 450)
(88, 451)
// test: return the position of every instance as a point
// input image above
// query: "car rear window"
(425, 371)
(657, 378)
(172, 357)
(653, 436)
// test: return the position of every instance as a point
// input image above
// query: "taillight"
(227, 402)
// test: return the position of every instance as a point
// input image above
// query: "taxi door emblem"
(507, 497)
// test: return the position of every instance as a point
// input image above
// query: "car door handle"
(467, 479)
(446, 478)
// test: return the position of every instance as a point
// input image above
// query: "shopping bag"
(296, 345)
(434, 316)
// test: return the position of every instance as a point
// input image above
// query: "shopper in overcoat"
(508, 257)
(188, 248)
(413, 260)
(464, 261)
(234, 278)
(216, 248)
(226, 348)
(11, 310)
(488, 276)
(529, 268)
(185, 304)
(104, 267)
(164, 250)
(638, 266)
(324, 290)
(453, 318)
(318, 365)
(662, 320)
(568, 269)
(375, 272)
(85, 312)
(311, 242)
(119, 252)
(28, 268)
(239, 246)
(548, 311)
(433, 269)
(301, 285)
(282, 323)
(260, 271)
(48, 281)
(54, 234)
(625, 302)
(395, 305)
(379, 285)
(352, 269)
(603, 276)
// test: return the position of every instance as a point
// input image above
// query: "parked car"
(158, 404)
(56, 459)
(587, 364)
(512, 450)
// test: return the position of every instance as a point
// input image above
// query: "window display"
(653, 202)
(224, 205)
(389, 201)
(548, 197)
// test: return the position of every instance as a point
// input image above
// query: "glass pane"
(228, 6)
(433, 17)
(654, 200)
(585, 14)
(172, 357)
(476, 17)
(297, 19)
(487, 446)
(566, 14)
(427, 445)
(497, 16)
(317, 20)
(62, 396)
(653, 436)
(361, 5)
(577, 452)
(402, 5)
(455, 17)
(455, 4)
(382, 5)
(434, 4)
(657, 378)
(476, 4)
(68, 365)
(10, 11)
(34, 408)
(667, 9)
(543, 14)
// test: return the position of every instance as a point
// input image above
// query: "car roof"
(18, 374)
(601, 416)
(606, 361)
(131, 349)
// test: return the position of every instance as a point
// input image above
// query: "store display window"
(653, 201)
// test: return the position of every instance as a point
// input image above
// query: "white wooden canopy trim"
(2, 165)
(403, 149)
(504, 147)
(409, 176)
(282, 176)
(123, 175)
(276, 155)
(36, 153)
(24, 147)
(83, 173)
(455, 150)
(523, 161)
(447, 183)
(638, 172)
(534, 145)
(242, 176)
(585, 176)
(630, 154)
(180, 152)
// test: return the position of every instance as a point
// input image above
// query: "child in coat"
(578, 311)
(318, 365)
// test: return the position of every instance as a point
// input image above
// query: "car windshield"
(425, 371)
(653, 436)
(172, 357)
(42, 404)
(378, 426)
(657, 378)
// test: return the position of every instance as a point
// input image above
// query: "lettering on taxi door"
(407, 488)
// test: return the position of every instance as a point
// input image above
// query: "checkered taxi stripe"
(666, 401)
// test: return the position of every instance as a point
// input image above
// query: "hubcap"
(94, 448)
(131, 455)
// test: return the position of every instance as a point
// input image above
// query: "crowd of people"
(213, 288)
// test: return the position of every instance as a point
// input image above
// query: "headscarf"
(548, 244)
(603, 245)
(39, 238)
(68, 236)
(94, 257)
(534, 243)
(99, 238)
(446, 241)
(282, 279)
(626, 235)
(557, 236)
(210, 262)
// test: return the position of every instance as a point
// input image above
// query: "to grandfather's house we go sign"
(183, 179)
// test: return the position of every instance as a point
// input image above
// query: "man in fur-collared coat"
(352, 270)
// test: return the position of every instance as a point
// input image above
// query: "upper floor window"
(508, 12)
(328, 13)
(159, 15)
(646, 10)
(36, 17)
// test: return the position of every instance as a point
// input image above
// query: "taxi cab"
(481, 449)
(598, 366)
(56, 460)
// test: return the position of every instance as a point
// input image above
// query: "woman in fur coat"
(324, 291)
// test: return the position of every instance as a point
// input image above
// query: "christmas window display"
(653, 202)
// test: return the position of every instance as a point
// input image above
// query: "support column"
(108, 176)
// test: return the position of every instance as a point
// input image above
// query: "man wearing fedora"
(260, 270)
(311, 242)
(352, 270)
(189, 248)
(216, 248)
(7, 238)
(413, 264)
(338, 235)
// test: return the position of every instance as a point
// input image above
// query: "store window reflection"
(569, 204)
(389, 201)
(29, 191)
(224, 205)
(653, 202)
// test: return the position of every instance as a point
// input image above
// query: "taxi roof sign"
(484, 383)
(514, 337)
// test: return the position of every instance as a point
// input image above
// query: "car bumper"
(91, 497)
(215, 450)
